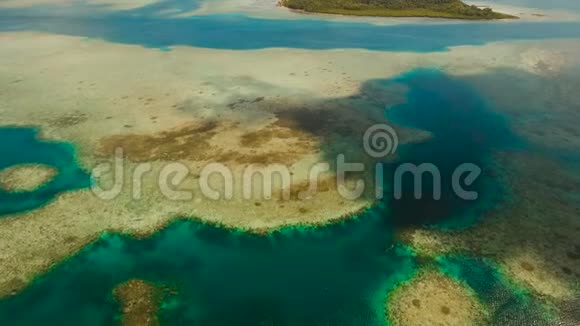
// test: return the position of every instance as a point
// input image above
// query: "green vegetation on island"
(396, 8)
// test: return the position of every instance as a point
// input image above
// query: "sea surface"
(333, 275)
(238, 32)
(150, 26)
(337, 275)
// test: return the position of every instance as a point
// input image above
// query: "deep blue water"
(455, 114)
(335, 275)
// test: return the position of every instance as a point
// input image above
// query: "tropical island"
(455, 9)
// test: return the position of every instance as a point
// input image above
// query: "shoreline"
(437, 18)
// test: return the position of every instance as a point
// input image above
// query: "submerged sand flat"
(27, 177)
(433, 299)
(227, 106)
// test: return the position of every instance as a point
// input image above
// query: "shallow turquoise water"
(335, 275)
(239, 32)
(22, 146)
(290, 278)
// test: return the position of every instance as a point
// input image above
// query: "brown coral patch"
(68, 120)
(274, 131)
(274, 144)
(201, 142)
(296, 132)
(308, 188)
(321, 122)
(197, 143)
(189, 142)
(140, 303)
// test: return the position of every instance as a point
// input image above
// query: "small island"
(454, 9)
